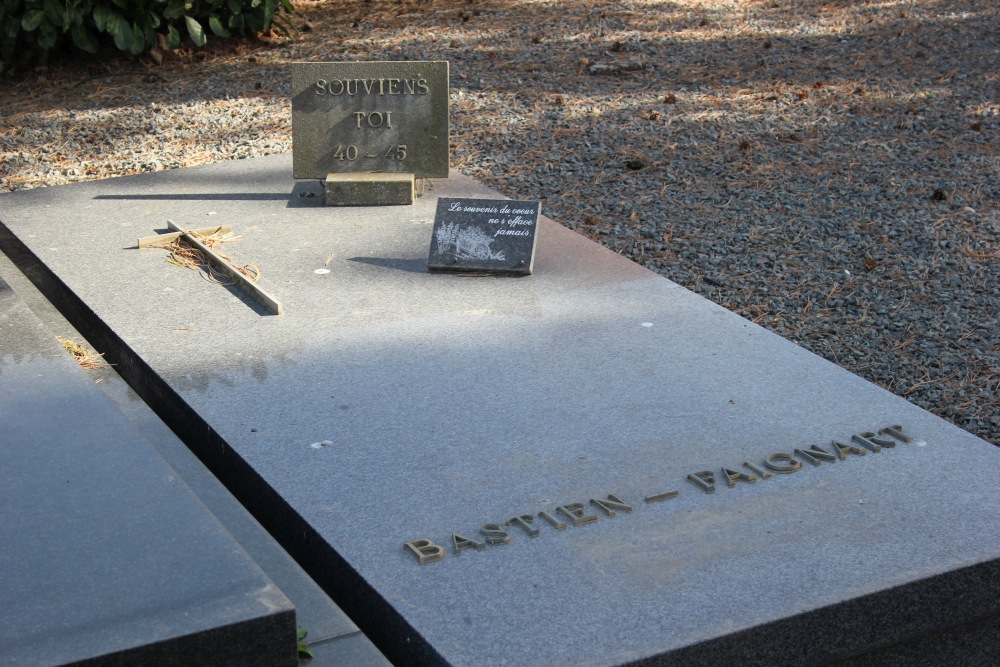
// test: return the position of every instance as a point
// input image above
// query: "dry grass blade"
(86, 358)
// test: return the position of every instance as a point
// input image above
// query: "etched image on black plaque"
(492, 235)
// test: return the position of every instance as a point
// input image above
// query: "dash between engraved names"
(425, 550)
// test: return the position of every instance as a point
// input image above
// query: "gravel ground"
(828, 169)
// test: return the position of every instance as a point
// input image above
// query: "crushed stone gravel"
(828, 170)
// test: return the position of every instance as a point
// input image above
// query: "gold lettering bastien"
(577, 514)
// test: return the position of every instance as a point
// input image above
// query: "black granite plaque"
(491, 235)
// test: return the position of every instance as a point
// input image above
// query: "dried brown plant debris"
(187, 256)
(87, 359)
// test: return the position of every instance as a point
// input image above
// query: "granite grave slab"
(107, 557)
(589, 466)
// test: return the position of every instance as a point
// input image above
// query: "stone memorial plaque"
(370, 117)
(494, 235)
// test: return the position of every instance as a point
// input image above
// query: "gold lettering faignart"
(493, 534)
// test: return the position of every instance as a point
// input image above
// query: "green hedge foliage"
(31, 30)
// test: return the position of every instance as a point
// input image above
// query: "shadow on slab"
(397, 263)
(304, 195)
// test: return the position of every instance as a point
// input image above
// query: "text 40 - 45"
(353, 153)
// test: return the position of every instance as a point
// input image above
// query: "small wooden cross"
(191, 236)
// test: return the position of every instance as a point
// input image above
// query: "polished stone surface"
(391, 405)
(106, 554)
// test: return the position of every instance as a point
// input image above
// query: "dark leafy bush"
(32, 30)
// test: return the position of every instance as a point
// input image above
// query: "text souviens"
(380, 87)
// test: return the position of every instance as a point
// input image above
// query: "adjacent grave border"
(375, 616)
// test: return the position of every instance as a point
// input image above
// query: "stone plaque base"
(366, 189)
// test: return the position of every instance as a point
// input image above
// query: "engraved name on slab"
(426, 550)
